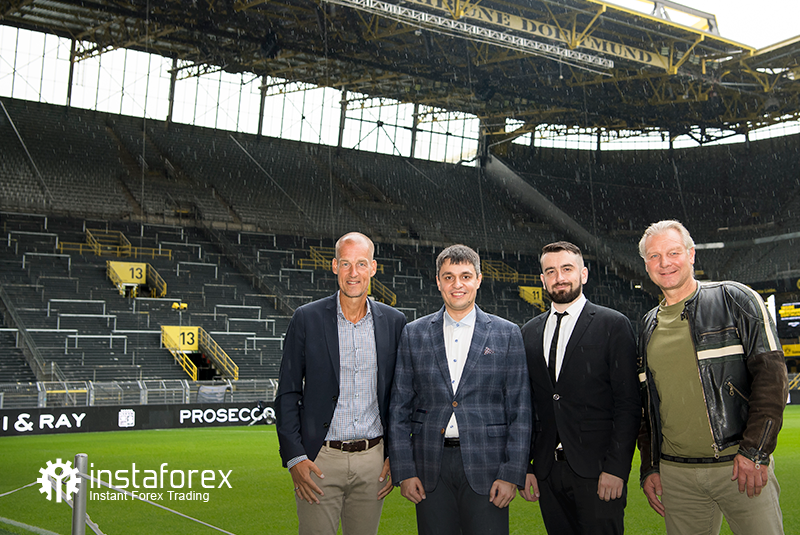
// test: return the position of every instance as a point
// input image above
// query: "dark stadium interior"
(235, 209)
(241, 213)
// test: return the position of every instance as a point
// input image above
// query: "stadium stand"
(239, 213)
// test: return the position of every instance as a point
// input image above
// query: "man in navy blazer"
(587, 407)
(460, 413)
(333, 399)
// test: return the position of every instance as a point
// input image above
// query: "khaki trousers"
(351, 493)
(695, 498)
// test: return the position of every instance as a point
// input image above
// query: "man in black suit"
(586, 402)
(333, 399)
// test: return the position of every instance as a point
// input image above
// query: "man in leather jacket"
(715, 387)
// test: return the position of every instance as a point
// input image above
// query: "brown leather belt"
(350, 446)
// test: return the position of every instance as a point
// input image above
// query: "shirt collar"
(466, 321)
(574, 309)
(341, 314)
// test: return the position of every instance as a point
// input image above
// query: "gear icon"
(52, 472)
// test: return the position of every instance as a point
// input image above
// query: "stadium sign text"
(90, 419)
(25, 423)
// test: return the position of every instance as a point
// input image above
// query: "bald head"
(355, 238)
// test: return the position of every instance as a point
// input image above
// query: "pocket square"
(488, 351)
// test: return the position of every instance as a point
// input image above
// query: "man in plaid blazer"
(460, 410)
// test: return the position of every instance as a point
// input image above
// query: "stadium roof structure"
(585, 64)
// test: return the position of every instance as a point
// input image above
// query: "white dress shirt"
(457, 339)
(564, 332)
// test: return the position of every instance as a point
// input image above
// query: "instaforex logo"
(156, 485)
(123, 485)
(56, 474)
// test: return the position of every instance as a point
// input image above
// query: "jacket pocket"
(418, 420)
(497, 430)
(596, 425)
(733, 391)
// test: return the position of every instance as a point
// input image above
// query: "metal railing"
(112, 393)
(29, 349)
(382, 293)
(181, 357)
(224, 363)
(502, 272)
(114, 243)
(157, 284)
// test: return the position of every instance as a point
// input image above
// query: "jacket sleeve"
(644, 443)
(649, 461)
(518, 412)
(289, 398)
(627, 401)
(401, 405)
(766, 365)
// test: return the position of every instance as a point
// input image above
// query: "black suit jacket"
(308, 387)
(595, 404)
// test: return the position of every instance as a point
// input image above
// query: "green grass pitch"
(260, 499)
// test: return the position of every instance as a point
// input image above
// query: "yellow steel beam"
(460, 7)
(241, 5)
(576, 41)
(664, 22)
(673, 69)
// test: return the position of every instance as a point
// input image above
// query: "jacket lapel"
(436, 337)
(539, 335)
(584, 320)
(479, 335)
(380, 327)
(330, 330)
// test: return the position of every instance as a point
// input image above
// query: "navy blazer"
(492, 404)
(595, 404)
(308, 387)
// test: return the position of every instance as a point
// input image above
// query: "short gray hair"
(660, 228)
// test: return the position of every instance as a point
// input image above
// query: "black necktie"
(551, 361)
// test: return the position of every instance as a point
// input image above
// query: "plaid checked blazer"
(492, 404)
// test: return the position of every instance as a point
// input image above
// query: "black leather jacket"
(742, 371)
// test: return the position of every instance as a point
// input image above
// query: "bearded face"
(563, 276)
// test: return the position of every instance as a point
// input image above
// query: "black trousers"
(453, 508)
(570, 505)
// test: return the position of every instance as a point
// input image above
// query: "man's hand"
(412, 489)
(609, 487)
(501, 493)
(386, 475)
(304, 486)
(652, 489)
(752, 477)
(530, 492)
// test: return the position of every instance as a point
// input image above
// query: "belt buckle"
(558, 454)
(353, 445)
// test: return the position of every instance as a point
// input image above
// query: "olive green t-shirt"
(672, 361)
